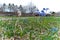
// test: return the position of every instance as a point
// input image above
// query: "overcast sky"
(53, 5)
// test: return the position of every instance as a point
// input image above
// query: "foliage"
(37, 28)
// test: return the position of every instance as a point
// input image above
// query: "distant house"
(57, 14)
(49, 14)
(36, 13)
(7, 12)
(29, 10)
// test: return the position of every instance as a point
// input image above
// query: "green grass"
(36, 28)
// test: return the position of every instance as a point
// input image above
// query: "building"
(57, 14)
(5, 11)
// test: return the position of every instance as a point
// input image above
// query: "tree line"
(12, 7)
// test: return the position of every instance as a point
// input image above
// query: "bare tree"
(13, 7)
(9, 7)
(21, 8)
(4, 5)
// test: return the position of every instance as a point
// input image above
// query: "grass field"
(30, 28)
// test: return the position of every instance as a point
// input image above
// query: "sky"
(53, 5)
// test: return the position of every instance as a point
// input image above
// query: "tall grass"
(30, 28)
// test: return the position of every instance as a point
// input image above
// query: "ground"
(35, 28)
